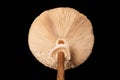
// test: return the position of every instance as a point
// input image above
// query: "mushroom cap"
(61, 29)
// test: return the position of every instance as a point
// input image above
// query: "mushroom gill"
(59, 30)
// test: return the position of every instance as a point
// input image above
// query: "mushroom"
(61, 37)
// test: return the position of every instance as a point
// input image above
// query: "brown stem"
(60, 67)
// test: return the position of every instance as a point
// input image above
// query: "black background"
(18, 61)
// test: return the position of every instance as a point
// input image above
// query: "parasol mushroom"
(61, 38)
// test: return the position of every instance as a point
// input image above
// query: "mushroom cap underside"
(61, 29)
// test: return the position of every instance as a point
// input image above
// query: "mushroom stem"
(60, 67)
